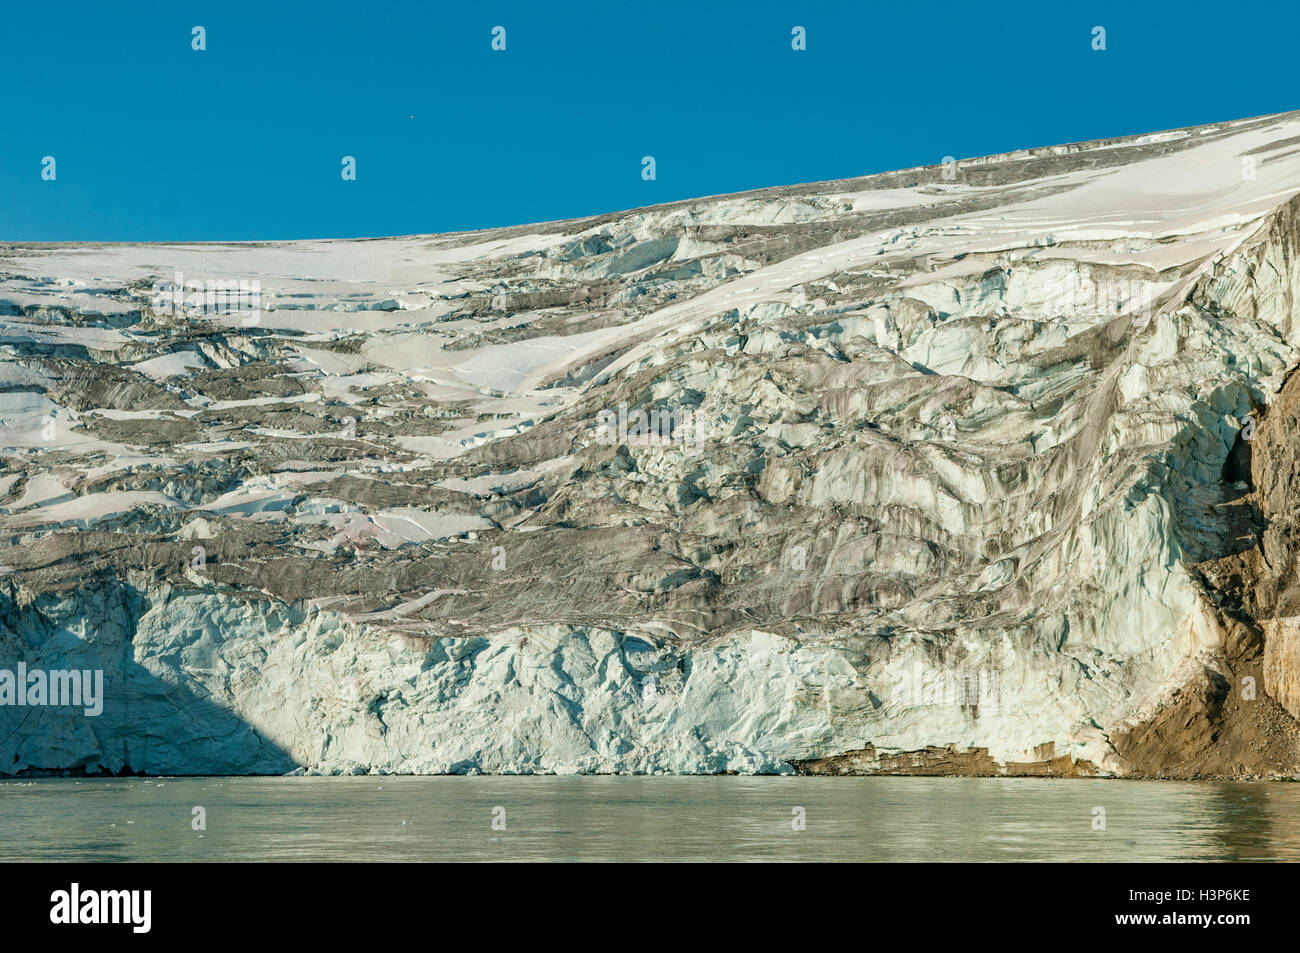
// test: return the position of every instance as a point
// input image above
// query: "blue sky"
(156, 142)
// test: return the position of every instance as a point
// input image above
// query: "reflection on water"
(647, 818)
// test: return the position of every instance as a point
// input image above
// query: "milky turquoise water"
(646, 819)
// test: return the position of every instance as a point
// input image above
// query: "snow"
(175, 364)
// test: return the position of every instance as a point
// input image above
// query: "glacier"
(975, 468)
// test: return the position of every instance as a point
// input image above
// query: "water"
(646, 819)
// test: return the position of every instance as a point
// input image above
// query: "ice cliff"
(983, 467)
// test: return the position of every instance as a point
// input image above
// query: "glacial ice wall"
(964, 441)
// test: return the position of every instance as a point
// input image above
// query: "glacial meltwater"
(393, 818)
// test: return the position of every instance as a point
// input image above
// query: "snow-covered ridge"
(967, 425)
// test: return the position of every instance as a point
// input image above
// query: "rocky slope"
(984, 467)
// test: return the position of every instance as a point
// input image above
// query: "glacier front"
(976, 468)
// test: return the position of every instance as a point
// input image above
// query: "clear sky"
(154, 141)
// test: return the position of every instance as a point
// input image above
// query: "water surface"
(646, 819)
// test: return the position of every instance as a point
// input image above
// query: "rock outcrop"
(985, 468)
